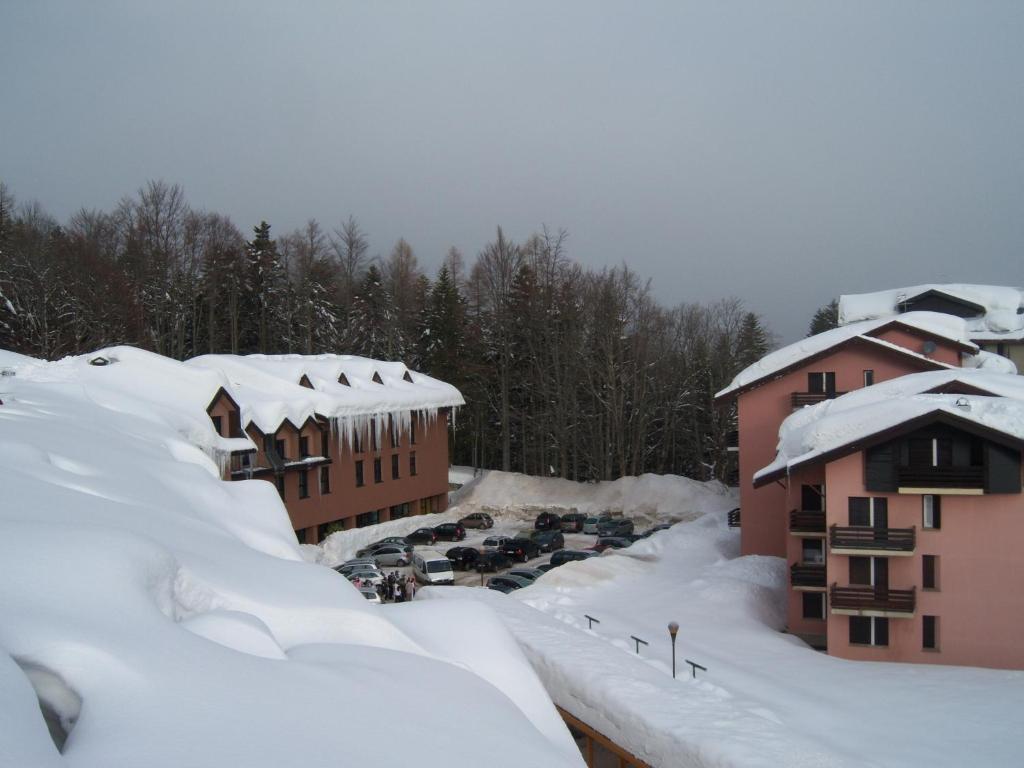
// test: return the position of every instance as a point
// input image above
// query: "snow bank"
(181, 611)
(937, 324)
(648, 499)
(766, 698)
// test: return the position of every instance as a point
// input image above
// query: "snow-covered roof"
(781, 360)
(268, 390)
(998, 317)
(821, 430)
(175, 613)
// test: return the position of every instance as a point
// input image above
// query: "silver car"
(394, 554)
(367, 577)
(495, 542)
(359, 564)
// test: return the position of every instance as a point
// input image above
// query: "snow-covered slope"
(170, 619)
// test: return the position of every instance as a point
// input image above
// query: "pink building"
(819, 368)
(905, 520)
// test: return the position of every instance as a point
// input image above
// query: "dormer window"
(216, 424)
(305, 382)
(343, 380)
(303, 446)
(377, 378)
(408, 377)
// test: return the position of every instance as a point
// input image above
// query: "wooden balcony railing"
(807, 521)
(941, 477)
(868, 598)
(800, 399)
(885, 539)
(807, 575)
(734, 518)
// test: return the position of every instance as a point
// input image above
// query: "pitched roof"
(782, 361)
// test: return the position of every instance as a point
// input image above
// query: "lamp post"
(673, 630)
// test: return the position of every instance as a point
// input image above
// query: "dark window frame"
(360, 477)
(412, 463)
(378, 471)
(929, 633)
(325, 481)
(304, 484)
(394, 467)
(303, 446)
(930, 572)
(217, 424)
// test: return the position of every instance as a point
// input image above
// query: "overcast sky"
(780, 152)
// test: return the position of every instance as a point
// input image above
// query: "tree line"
(566, 370)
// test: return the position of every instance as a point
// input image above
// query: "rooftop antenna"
(929, 347)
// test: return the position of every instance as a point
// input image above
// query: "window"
(868, 512)
(412, 464)
(860, 571)
(303, 446)
(814, 605)
(325, 481)
(821, 383)
(359, 474)
(279, 446)
(930, 512)
(378, 475)
(393, 433)
(412, 429)
(930, 572)
(869, 630)
(325, 445)
(399, 511)
(813, 551)
(300, 535)
(812, 498)
(373, 434)
(216, 424)
(279, 481)
(869, 378)
(304, 484)
(930, 633)
(367, 518)
(394, 466)
(357, 441)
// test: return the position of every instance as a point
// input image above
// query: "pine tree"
(751, 342)
(825, 319)
(373, 329)
(269, 295)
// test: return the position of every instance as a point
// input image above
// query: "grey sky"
(779, 152)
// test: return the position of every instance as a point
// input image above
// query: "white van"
(432, 567)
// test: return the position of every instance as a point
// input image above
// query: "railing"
(807, 575)
(807, 521)
(868, 598)
(734, 518)
(887, 539)
(800, 399)
(941, 477)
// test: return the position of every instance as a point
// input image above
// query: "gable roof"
(926, 325)
(875, 414)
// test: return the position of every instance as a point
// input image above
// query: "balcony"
(872, 601)
(808, 577)
(881, 542)
(962, 480)
(807, 522)
(800, 399)
(734, 518)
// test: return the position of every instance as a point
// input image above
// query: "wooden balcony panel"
(859, 540)
(941, 477)
(807, 521)
(734, 518)
(872, 601)
(800, 399)
(807, 576)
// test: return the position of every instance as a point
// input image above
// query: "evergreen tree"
(373, 329)
(752, 342)
(269, 297)
(825, 319)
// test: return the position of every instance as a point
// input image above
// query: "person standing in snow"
(410, 588)
(357, 582)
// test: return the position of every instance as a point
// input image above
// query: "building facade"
(342, 451)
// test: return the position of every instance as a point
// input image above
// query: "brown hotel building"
(347, 441)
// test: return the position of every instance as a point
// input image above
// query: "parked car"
(421, 536)
(367, 577)
(615, 528)
(530, 574)
(507, 583)
(372, 549)
(463, 558)
(655, 529)
(495, 542)
(612, 542)
(549, 541)
(450, 531)
(389, 540)
(494, 560)
(370, 594)
(590, 525)
(544, 567)
(394, 554)
(563, 556)
(477, 520)
(547, 521)
(573, 522)
(521, 549)
(352, 565)
(430, 567)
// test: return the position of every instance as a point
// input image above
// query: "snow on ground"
(766, 699)
(169, 618)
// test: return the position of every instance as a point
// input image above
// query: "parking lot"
(475, 538)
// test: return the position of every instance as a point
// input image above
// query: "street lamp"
(673, 630)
